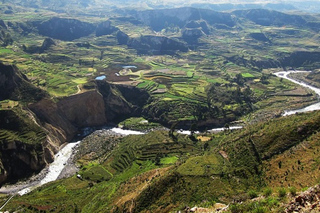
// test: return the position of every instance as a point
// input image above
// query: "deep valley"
(69, 67)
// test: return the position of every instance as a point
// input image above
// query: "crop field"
(66, 68)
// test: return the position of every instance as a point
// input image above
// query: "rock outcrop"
(192, 35)
(105, 28)
(65, 29)
(307, 201)
(158, 19)
(14, 85)
(21, 150)
(122, 101)
(64, 118)
(122, 38)
(201, 24)
(269, 17)
(47, 43)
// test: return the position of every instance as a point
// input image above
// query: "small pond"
(100, 78)
(129, 67)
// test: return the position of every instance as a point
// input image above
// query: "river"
(52, 172)
(313, 107)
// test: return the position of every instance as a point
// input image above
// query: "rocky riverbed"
(64, 165)
(48, 174)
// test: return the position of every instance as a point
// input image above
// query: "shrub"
(260, 209)
(267, 192)
(271, 202)
(282, 192)
(293, 191)
(252, 194)
(235, 208)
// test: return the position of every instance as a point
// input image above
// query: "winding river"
(313, 107)
(52, 172)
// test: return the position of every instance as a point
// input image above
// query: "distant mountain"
(93, 5)
(226, 7)
(157, 19)
(269, 17)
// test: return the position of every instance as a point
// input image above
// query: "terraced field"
(154, 147)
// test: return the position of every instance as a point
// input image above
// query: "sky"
(239, 1)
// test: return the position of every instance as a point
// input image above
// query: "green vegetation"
(15, 126)
(162, 170)
(267, 192)
(168, 160)
(208, 81)
(8, 104)
(139, 123)
(293, 191)
(282, 193)
(95, 173)
(229, 59)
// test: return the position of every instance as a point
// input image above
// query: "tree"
(101, 54)
(239, 79)
(192, 129)
(172, 128)
(264, 79)
(227, 126)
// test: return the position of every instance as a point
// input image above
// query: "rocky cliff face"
(21, 145)
(192, 35)
(109, 103)
(65, 117)
(302, 59)
(105, 28)
(29, 137)
(122, 37)
(14, 85)
(121, 101)
(158, 19)
(65, 29)
(268, 17)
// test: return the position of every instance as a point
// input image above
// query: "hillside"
(161, 173)
(33, 126)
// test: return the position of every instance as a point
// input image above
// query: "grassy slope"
(16, 125)
(235, 165)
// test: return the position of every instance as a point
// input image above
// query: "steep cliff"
(105, 28)
(65, 117)
(30, 136)
(121, 101)
(14, 85)
(271, 18)
(65, 29)
(22, 140)
(308, 60)
(158, 19)
(21, 145)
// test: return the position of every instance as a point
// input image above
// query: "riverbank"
(313, 107)
(64, 163)
(48, 174)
